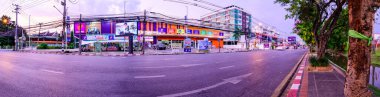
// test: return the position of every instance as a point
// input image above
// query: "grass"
(341, 61)
(375, 90)
(375, 58)
(315, 62)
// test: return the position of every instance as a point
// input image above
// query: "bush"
(42, 46)
(315, 62)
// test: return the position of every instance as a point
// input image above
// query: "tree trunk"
(321, 47)
(361, 17)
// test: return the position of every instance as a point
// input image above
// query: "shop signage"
(196, 31)
(176, 45)
(189, 31)
(172, 31)
(221, 34)
(203, 32)
(98, 37)
(210, 33)
(180, 31)
(162, 30)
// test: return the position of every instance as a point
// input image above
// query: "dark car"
(161, 46)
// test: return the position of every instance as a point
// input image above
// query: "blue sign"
(203, 44)
(189, 31)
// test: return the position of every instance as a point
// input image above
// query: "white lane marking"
(259, 60)
(156, 67)
(51, 71)
(191, 65)
(233, 80)
(159, 67)
(221, 68)
(154, 76)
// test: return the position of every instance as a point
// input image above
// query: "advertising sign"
(127, 27)
(108, 27)
(77, 27)
(291, 39)
(203, 44)
(93, 28)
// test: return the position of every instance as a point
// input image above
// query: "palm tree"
(237, 34)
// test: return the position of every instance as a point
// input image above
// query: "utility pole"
(63, 3)
(80, 34)
(29, 31)
(143, 44)
(16, 37)
(39, 33)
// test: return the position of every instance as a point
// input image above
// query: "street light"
(5, 20)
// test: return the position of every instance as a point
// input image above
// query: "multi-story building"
(232, 18)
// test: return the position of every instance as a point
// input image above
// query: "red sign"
(172, 31)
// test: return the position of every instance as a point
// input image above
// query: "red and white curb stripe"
(295, 87)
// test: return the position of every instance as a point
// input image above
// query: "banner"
(124, 28)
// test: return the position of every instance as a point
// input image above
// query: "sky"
(43, 10)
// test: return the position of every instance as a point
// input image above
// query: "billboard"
(77, 27)
(127, 27)
(93, 28)
(291, 39)
(108, 27)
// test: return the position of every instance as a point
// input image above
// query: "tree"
(323, 15)
(361, 19)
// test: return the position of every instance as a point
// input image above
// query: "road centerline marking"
(225, 67)
(153, 76)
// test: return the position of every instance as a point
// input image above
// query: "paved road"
(245, 74)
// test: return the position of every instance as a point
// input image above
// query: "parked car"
(161, 46)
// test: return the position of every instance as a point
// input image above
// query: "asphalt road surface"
(243, 74)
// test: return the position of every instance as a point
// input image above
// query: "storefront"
(111, 35)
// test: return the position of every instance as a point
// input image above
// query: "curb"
(296, 85)
(338, 69)
(279, 91)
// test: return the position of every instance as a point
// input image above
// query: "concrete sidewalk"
(316, 84)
